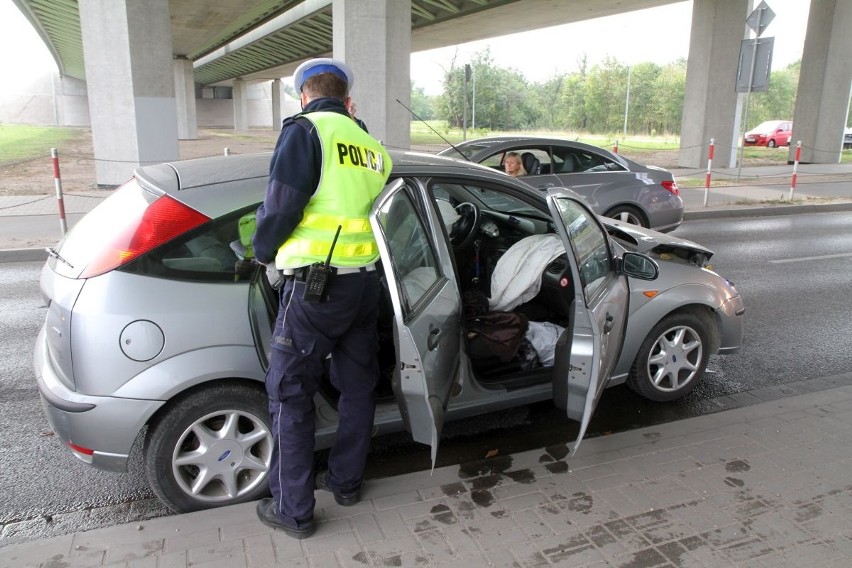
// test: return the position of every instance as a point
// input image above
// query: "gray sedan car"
(613, 185)
(158, 327)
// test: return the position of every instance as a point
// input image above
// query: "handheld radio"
(318, 276)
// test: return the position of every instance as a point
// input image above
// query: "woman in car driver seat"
(513, 166)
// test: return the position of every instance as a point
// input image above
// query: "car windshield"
(491, 199)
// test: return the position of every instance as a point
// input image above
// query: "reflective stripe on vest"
(355, 168)
(331, 222)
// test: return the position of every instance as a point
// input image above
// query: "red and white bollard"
(57, 182)
(707, 176)
(795, 168)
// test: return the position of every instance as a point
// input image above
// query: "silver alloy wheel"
(675, 358)
(222, 456)
(627, 217)
(627, 214)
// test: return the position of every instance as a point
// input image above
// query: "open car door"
(585, 358)
(427, 306)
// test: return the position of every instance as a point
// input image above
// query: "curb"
(767, 210)
(23, 255)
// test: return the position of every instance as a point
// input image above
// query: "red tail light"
(671, 186)
(160, 222)
(80, 449)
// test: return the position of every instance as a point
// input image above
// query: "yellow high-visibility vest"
(355, 168)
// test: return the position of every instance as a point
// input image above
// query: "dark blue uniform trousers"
(305, 334)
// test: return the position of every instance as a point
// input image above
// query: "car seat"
(531, 164)
(569, 164)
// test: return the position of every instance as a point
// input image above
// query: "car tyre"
(771, 144)
(674, 356)
(629, 215)
(211, 448)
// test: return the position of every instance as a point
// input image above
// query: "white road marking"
(804, 258)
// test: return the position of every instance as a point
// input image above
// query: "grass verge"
(20, 142)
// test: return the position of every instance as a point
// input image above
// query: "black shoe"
(345, 499)
(267, 515)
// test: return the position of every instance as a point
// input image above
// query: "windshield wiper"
(52, 252)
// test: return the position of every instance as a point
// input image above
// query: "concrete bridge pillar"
(127, 46)
(377, 46)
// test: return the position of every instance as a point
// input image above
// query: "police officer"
(324, 175)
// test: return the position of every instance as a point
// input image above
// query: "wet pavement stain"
(485, 467)
(443, 515)
(482, 497)
(424, 525)
(498, 514)
(361, 558)
(521, 476)
(451, 489)
(737, 466)
(647, 557)
(465, 509)
(808, 512)
(392, 561)
(580, 503)
(734, 482)
(652, 435)
(557, 467)
(487, 482)
(558, 451)
(572, 546)
(753, 508)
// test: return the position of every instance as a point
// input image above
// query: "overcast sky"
(659, 35)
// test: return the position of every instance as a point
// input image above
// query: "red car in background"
(771, 133)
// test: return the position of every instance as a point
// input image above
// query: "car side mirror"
(638, 266)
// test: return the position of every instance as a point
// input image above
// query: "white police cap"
(319, 65)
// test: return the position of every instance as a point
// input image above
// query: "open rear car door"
(586, 357)
(419, 275)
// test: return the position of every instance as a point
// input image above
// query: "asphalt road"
(793, 271)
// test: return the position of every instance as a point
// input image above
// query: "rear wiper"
(52, 252)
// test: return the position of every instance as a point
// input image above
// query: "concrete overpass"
(142, 62)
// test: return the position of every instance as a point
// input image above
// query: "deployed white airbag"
(517, 275)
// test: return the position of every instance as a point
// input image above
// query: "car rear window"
(213, 252)
(103, 224)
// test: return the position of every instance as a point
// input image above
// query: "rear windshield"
(102, 225)
(466, 151)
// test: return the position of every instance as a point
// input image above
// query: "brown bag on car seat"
(495, 334)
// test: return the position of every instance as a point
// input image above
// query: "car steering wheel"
(465, 229)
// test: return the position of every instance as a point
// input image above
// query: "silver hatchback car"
(156, 323)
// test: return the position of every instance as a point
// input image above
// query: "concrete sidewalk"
(763, 485)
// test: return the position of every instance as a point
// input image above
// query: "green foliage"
(779, 102)
(589, 100)
(421, 103)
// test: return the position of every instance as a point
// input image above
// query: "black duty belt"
(300, 274)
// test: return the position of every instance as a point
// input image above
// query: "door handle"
(434, 338)
(610, 321)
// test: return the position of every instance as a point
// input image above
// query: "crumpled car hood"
(645, 240)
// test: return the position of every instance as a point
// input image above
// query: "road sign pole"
(748, 95)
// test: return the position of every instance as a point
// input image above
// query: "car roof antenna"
(433, 130)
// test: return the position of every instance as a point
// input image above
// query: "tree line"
(593, 99)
